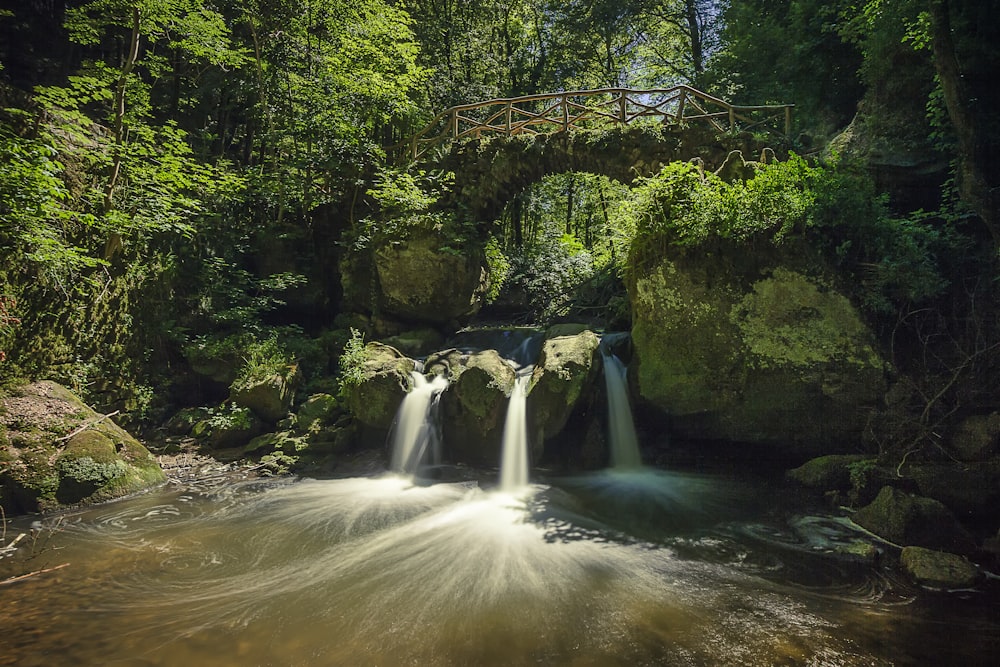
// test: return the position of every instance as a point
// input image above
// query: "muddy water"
(634, 568)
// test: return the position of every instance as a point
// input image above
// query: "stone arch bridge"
(498, 148)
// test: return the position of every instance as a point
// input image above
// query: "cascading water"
(416, 430)
(514, 458)
(621, 429)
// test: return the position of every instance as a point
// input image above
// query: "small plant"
(352, 363)
(229, 418)
(261, 359)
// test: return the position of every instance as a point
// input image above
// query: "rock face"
(565, 372)
(474, 407)
(937, 569)
(421, 283)
(911, 520)
(384, 381)
(41, 469)
(754, 349)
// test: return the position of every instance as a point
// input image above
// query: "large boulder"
(422, 282)
(474, 407)
(977, 438)
(938, 569)
(269, 397)
(384, 380)
(55, 452)
(565, 372)
(911, 520)
(754, 347)
(970, 491)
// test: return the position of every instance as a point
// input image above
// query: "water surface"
(636, 567)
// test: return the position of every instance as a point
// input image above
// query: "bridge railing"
(590, 109)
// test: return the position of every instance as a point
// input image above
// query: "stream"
(622, 567)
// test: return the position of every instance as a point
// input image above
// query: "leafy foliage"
(892, 259)
(351, 363)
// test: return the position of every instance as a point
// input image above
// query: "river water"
(636, 567)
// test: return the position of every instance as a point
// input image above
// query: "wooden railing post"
(454, 123)
(623, 106)
(732, 119)
(509, 104)
(680, 105)
(788, 120)
(565, 111)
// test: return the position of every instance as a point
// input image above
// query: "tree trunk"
(114, 242)
(973, 182)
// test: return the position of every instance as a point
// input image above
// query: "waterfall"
(416, 426)
(621, 429)
(514, 459)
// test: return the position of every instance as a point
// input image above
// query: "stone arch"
(490, 172)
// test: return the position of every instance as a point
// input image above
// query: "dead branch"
(22, 577)
(93, 422)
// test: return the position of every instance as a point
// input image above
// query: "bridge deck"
(593, 109)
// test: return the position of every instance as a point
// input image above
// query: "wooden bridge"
(592, 109)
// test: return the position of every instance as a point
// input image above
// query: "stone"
(421, 282)
(474, 407)
(968, 490)
(270, 397)
(938, 569)
(977, 438)
(565, 371)
(41, 469)
(316, 411)
(382, 385)
(754, 348)
(832, 471)
(906, 519)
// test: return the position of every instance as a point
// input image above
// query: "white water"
(416, 431)
(621, 429)
(514, 458)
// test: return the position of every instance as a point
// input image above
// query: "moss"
(786, 320)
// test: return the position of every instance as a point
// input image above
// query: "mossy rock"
(757, 348)
(43, 469)
(270, 397)
(316, 411)
(474, 407)
(421, 282)
(829, 472)
(911, 520)
(565, 371)
(938, 569)
(384, 381)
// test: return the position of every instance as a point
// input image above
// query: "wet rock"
(384, 379)
(474, 407)
(906, 519)
(938, 569)
(565, 371)
(56, 451)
